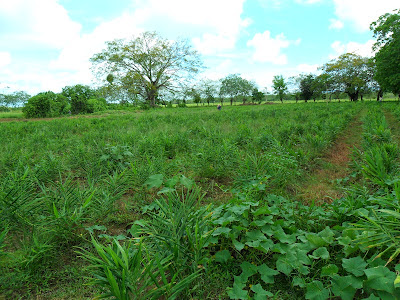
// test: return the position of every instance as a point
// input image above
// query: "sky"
(46, 45)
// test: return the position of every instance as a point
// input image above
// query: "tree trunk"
(231, 101)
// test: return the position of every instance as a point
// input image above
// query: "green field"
(196, 203)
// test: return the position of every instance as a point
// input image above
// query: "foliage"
(14, 99)
(47, 104)
(279, 85)
(234, 86)
(350, 73)
(307, 86)
(209, 89)
(78, 96)
(129, 272)
(96, 105)
(147, 65)
(105, 173)
(257, 96)
(387, 31)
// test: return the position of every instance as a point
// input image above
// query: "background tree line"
(150, 71)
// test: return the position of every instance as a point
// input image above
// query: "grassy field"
(248, 202)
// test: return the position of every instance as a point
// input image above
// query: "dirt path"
(320, 185)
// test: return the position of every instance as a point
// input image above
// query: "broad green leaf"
(237, 292)
(316, 240)
(260, 293)
(248, 270)
(166, 190)
(327, 235)
(254, 238)
(345, 286)
(380, 279)
(238, 245)
(262, 211)
(238, 209)
(154, 181)
(299, 281)
(373, 297)
(267, 274)
(266, 246)
(316, 291)
(186, 182)
(375, 262)
(298, 256)
(262, 221)
(285, 238)
(329, 270)
(303, 269)
(222, 256)
(283, 266)
(355, 265)
(268, 230)
(320, 253)
(397, 281)
(221, 230)
(171, 182)
(280, 248)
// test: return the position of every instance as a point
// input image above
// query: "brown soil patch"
(320, 187)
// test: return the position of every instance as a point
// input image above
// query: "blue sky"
(46, 44)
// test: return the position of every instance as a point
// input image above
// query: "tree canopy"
(280, 86)
(387, 59)
(147, 65)
(350, 73)
(234, 86)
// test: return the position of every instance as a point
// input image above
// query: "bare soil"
(320, 186)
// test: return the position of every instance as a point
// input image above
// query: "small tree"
(280, 87)
(257, 96)
(78, 95)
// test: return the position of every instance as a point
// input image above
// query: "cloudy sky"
(46, 44)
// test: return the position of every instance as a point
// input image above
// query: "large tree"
(350, 73)
(209, 89)
(234, 86)
(387, 31)
(147, 65)
(307, 87)
(280, 86)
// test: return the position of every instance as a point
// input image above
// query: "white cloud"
(352, 47)
(268, 49)
(335, 24)
(76, 55)
(306, 68)
(213, 25)
(5, 59)
(361, 12)
(308, 1)
(43, 22)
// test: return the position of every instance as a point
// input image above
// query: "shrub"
(78, 96)
(47, 104)
(95, 105)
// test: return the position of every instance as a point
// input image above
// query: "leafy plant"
(128, 271)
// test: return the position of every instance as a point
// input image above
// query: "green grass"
(61, 176)
(15, 114)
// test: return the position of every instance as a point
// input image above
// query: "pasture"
(250, 202)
